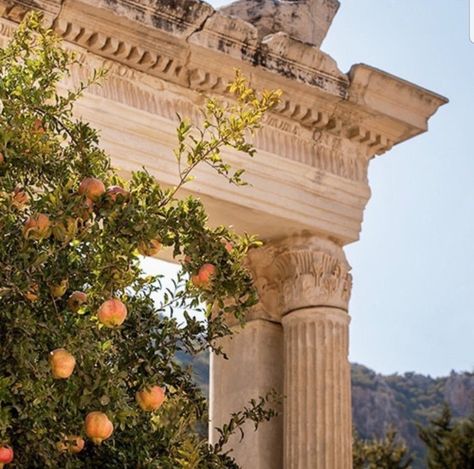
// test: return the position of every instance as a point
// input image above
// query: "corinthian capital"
(300, 272)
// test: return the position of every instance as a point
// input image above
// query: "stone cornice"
(393, 99)
(15, 10)
(175, 41)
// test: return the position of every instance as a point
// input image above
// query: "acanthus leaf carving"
(299, 272)
(313, 278)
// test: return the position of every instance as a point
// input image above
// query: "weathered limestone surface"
(16, 9)
(307, 20)
(317, 412)
(304, 283)
(315, 282)
(308, 185)
(311, 173)
(254, 368)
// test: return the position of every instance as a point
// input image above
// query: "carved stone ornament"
(299, 272)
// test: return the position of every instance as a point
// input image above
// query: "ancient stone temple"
(308, 183)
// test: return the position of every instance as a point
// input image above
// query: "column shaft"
(254, 367)
(317, 407)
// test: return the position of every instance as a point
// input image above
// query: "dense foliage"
(450, 444)
(80, 331)
(384, 453)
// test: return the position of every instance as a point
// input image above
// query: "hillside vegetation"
(403, 401)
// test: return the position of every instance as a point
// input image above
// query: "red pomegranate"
(150, 399)
(37, 226)
(62, 363)
(204, 277)
(71, 443)
(115, 193)
(6, 455)
(76, 300)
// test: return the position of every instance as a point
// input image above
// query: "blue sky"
(412, 304)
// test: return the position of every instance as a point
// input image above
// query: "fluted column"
(296, 342)
(317, 415)
(315, 283)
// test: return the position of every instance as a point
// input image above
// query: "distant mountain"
(402, 401)
(383, 401)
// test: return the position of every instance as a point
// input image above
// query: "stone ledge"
(393, 98)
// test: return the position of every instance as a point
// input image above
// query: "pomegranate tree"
(88, 370)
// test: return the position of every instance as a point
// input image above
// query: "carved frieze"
(281, 135)
(294, 129)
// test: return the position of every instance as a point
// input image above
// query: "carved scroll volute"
(299, 272)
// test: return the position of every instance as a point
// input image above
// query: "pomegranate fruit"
(115, 193)
(37, 226)
(98, 427)
(92, 188)
(204, 277)
(71, 444)
(112, 313)
(76, 300)
(62, 363)
(150, 399)
(6, 455)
